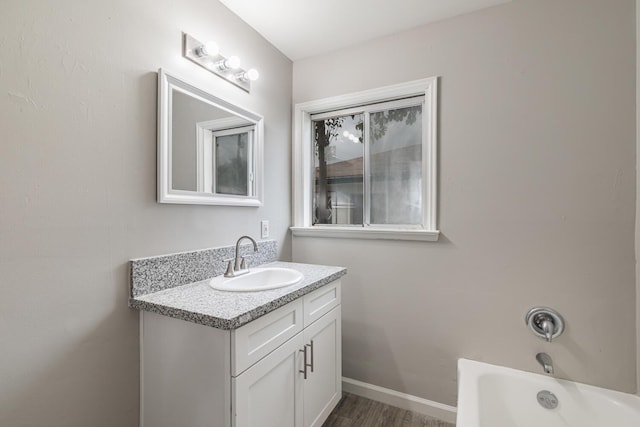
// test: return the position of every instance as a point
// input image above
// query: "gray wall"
(637, 197)
(537, 199)
(78, 184)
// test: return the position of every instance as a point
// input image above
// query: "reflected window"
(226, 159)
(231, 159)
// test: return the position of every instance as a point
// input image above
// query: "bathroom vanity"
(242, 359)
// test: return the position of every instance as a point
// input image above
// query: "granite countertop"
(199, 303)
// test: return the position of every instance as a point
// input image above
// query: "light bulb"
(210, 48)
(245, 76)
(345, 134)
(233, 62)
(253, 74)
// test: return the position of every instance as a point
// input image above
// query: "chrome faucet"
(545, 360)
(239, 266)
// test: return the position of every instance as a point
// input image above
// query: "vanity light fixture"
(208, 56)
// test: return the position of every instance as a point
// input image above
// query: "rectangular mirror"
(209, 150)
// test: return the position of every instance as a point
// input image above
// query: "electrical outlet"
(264, 229)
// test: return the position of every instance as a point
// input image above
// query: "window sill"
(366, 233)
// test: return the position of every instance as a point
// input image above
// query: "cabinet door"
(269, 394)
(323, 386)
(256, 339)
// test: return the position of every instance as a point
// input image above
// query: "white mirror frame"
(166, 194)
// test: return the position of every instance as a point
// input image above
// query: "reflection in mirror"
(209, 151)
(232, 148)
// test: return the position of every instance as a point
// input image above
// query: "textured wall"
(536, 199)
(78, 187)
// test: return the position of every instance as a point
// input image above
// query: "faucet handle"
(548, 328)
(229, 272)
(243, 262)
(545, 322)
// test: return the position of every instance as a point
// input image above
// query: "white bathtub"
(494, 396)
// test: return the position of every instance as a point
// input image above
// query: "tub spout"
(545, 361)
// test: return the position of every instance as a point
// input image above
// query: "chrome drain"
(547, 400)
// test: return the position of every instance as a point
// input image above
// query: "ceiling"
(304, 28)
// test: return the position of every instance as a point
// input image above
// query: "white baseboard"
(401, 400)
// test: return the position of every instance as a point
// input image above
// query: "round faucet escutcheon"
(545, 323)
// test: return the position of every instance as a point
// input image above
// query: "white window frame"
(302, 152)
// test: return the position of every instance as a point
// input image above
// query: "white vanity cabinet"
(253, 376)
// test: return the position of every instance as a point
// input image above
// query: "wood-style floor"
(356, 411)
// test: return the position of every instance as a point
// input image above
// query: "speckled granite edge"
(155, 274)
(257, 303)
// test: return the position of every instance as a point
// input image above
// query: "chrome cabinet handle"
(312, 364)
(304, 371)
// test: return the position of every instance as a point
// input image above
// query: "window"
(225, 158)
(365, 164)
(232, 157)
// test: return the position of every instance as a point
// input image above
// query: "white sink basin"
(258, 279)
